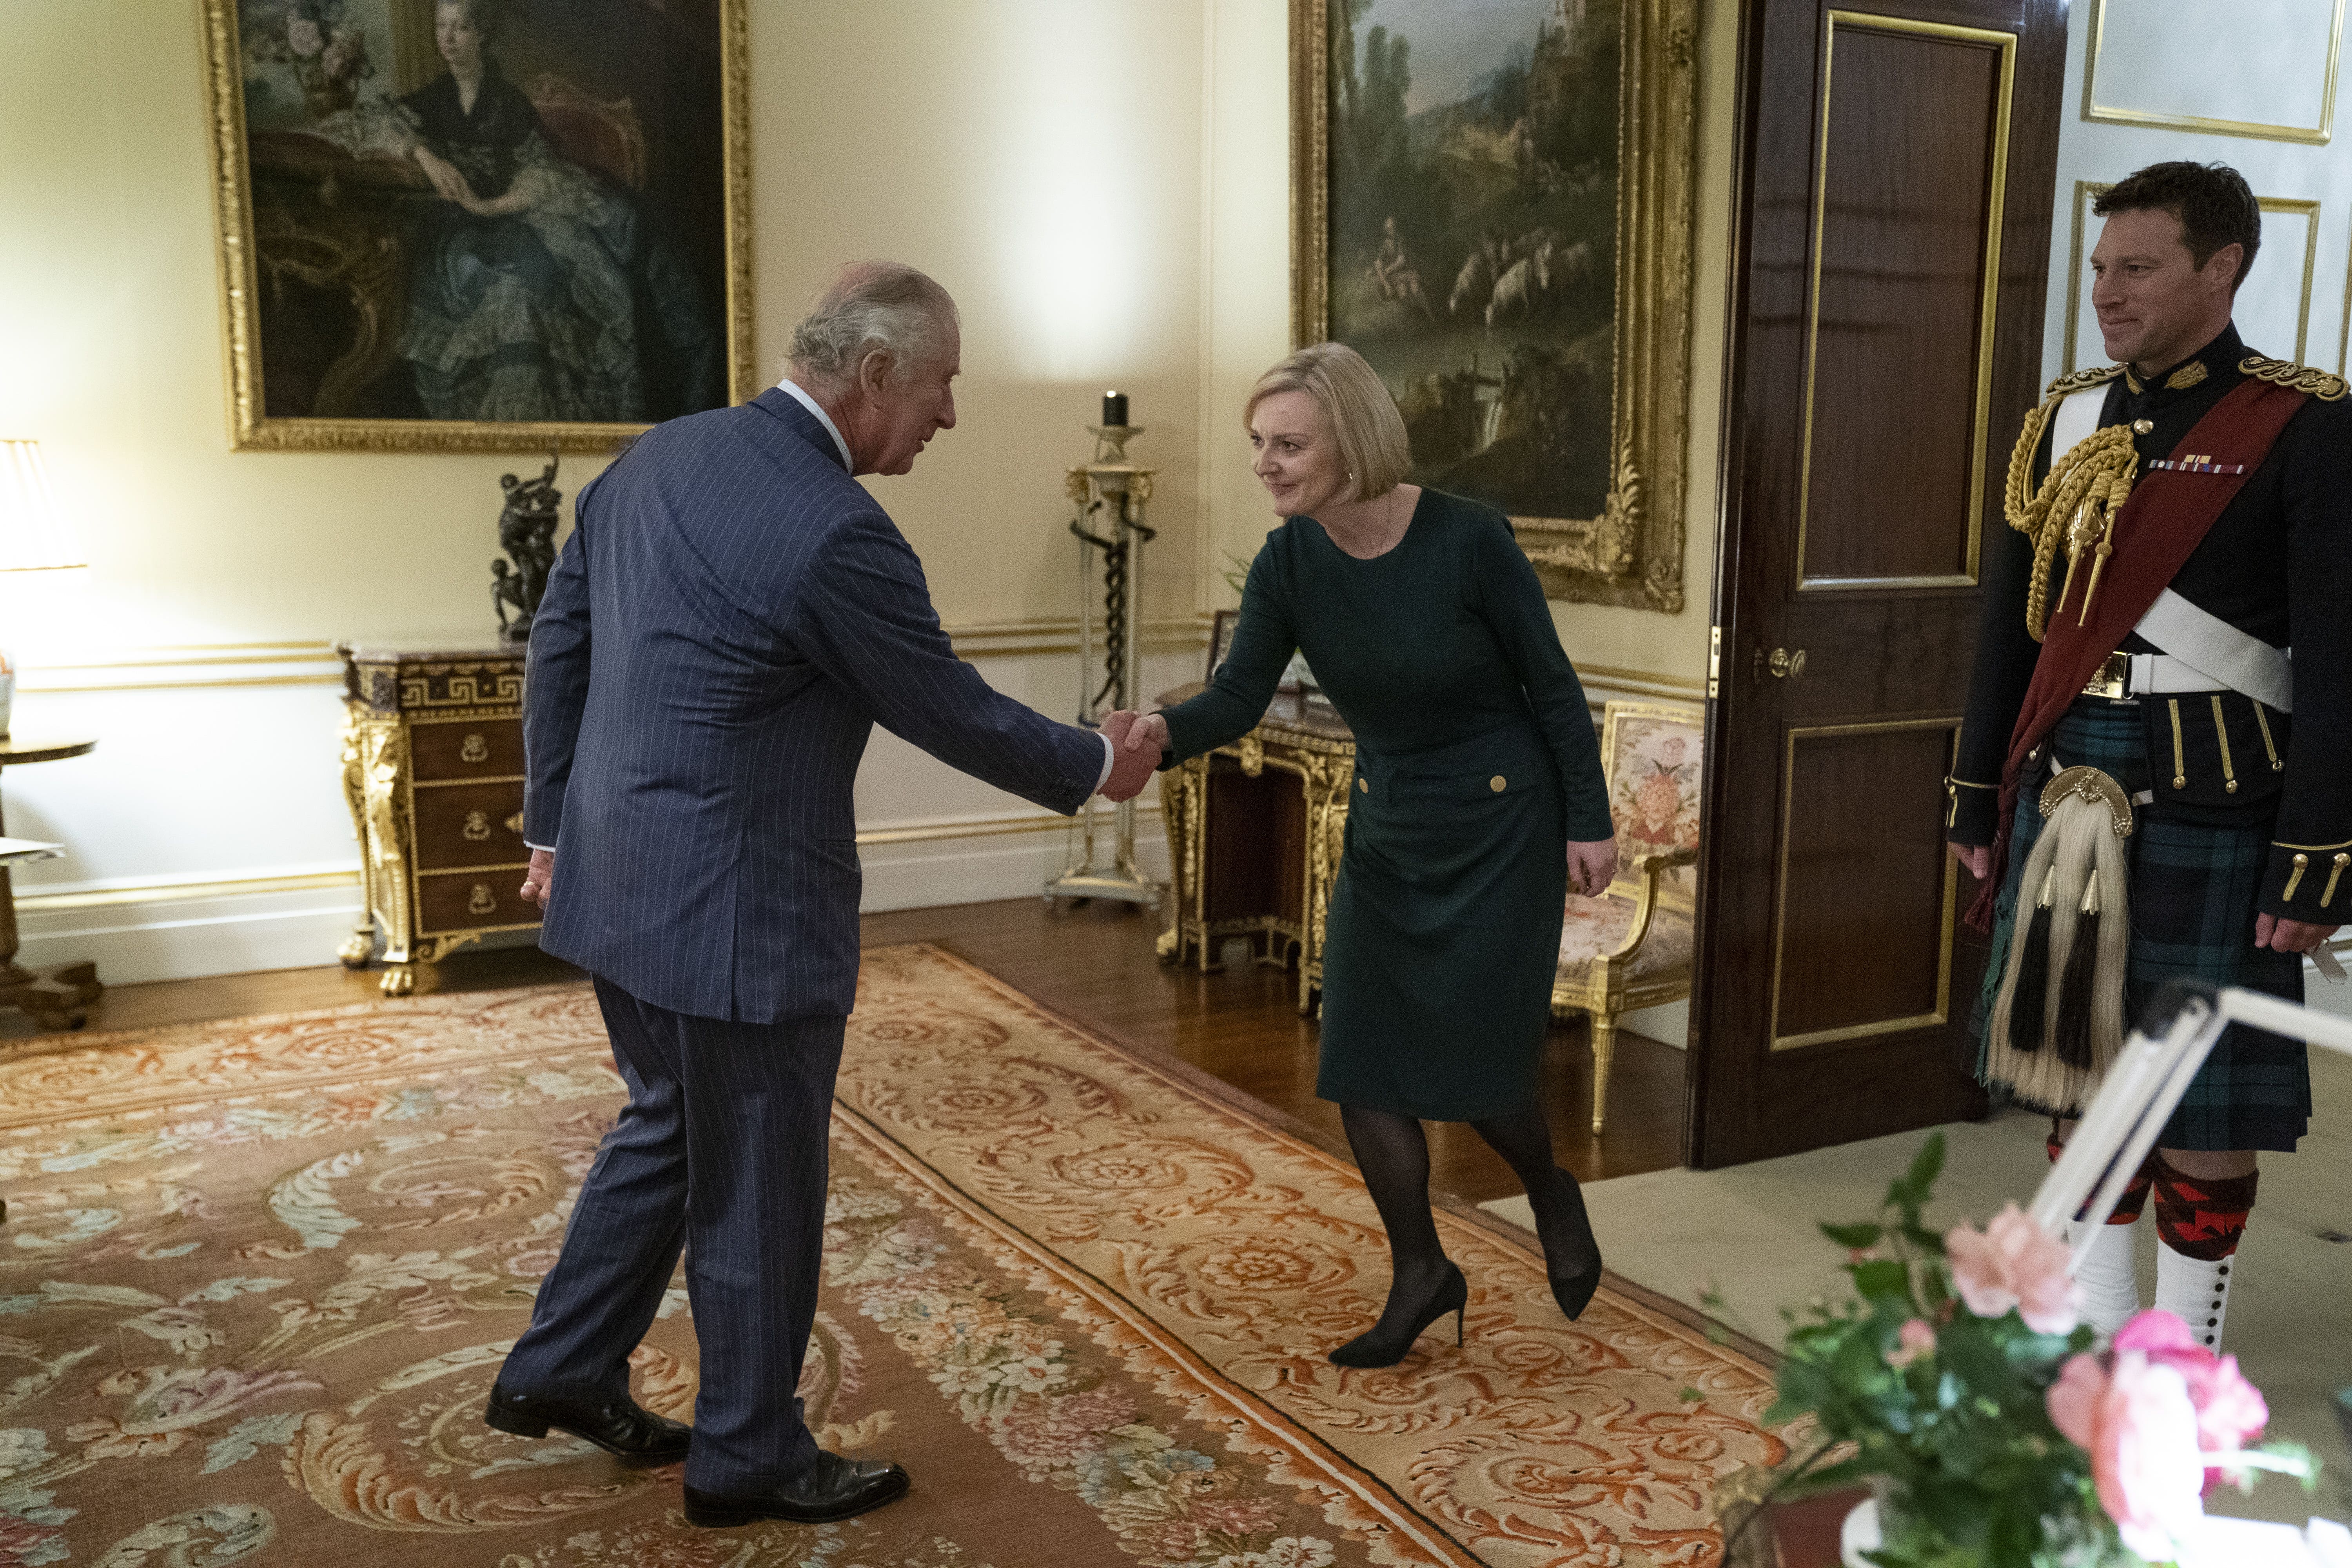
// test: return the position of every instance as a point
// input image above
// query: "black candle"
(1114, 408)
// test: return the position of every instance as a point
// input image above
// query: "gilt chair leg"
(1604, 1052)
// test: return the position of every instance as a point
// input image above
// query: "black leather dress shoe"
(621, 1427)
(833, 1488)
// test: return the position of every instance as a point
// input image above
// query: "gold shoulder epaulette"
(2295, 377)
(2076, 504)
(2081, 379)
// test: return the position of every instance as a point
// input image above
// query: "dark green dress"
(1475, 763)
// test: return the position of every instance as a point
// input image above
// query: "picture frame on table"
(1494, 206)
(478, 225)
(1221, 640)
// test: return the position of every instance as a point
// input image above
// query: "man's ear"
(2225, 264)
(874, 374)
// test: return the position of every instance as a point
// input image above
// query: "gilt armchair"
(1631, 947)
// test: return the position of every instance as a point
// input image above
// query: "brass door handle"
(1786, 664)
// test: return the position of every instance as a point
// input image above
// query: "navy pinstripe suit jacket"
(731, 616)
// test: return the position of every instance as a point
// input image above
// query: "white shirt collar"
(810, 404)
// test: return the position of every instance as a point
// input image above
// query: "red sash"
(2161, 525)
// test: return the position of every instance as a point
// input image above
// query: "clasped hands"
(1138, 740)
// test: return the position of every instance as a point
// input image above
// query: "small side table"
(55, 995)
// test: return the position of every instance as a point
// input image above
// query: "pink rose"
(2138, 1425)
(1915, 1340)
(2231, 1412)
(303, 37)
(2013, 1262)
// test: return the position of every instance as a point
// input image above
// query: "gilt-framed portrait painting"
(478, 225)
(1492, 203)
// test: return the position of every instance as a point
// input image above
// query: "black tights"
(1394, 1154)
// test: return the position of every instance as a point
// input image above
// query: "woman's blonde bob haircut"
(1365, 423)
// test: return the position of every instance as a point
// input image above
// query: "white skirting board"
(167, 937)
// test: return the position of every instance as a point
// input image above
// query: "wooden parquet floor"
(1095, 964)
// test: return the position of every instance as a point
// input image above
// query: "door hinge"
(1714, 661)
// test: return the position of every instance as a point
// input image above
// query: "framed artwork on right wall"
(1493, 205)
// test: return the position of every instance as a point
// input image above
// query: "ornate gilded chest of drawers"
(433, 770)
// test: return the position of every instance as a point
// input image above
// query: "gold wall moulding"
(1630, 551)
(339, 207)
(179, 666)
(944, 828)
(35, 902)
(2265, 34)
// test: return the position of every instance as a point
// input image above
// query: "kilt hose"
(2194, 888)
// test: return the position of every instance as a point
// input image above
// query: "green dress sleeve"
(1512, 603)
(1243, 687)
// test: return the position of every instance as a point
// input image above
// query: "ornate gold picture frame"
(478, 225)
(1513, 258)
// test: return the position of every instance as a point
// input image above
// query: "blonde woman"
(1476, 802)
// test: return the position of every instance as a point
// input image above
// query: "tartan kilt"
(2194, 890)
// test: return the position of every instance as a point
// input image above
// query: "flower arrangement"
(1992, 1425)
(327, 53)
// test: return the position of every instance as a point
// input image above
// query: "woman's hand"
(447, 183)
(1592, 866)
(1149, 729)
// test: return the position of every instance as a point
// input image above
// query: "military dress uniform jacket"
(2277, 563)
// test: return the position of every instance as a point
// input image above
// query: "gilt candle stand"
(1110, 494)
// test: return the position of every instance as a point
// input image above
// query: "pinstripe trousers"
(720, 1150)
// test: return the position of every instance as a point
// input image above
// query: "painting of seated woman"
(481, 223)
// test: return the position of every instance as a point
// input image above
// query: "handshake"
(1137, 741)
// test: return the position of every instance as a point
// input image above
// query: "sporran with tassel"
(2058, 1020)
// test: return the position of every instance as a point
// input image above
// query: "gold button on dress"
(1498, 784)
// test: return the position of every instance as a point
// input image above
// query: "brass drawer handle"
(482, 902)
(477, 825)
(475, 749)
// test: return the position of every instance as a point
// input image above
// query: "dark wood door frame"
(1890, 665)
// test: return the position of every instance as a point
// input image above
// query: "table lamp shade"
(34, 533)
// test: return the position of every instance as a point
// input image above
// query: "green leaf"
(1926, 1168)
(1881, 1280)
(1853, 1236)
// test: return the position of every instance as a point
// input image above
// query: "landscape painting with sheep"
(1472, 212)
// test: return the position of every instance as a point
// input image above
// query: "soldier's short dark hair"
(2215, 206)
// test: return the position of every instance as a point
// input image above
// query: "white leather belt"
(2148, 675)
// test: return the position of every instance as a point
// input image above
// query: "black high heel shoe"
(1371, 1350)
(1573, 1291)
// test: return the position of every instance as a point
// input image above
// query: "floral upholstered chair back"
(1651, 752)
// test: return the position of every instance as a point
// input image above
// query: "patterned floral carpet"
(257, 1277)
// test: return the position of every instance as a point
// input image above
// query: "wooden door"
(1890, 235)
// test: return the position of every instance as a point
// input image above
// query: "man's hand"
(1977, 858)
(540, 877)
(1592, 866)
(1134, 757)
(2290, 936)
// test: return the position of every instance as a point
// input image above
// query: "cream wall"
(1104, 188)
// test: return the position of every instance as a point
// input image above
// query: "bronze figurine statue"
(526, 533)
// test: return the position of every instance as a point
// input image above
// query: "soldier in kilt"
(2224, 714)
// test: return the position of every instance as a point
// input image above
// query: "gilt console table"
(433, 771)
(1254, 830)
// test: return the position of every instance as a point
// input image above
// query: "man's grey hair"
(870, 305)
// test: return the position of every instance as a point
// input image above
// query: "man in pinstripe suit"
(731, 616)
